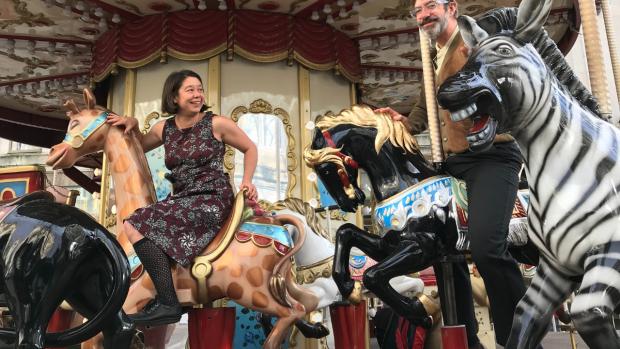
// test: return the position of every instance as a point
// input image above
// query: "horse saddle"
(418, 200)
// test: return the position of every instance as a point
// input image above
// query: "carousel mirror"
(270, 130)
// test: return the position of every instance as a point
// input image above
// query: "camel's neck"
(133, 186)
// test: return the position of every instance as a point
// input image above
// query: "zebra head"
(502, 79)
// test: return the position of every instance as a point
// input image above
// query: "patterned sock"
(157, 265)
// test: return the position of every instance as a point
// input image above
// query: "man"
(492, 176)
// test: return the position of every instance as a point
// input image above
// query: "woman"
(180, 226)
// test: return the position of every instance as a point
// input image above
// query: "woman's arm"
(229, 133)
(149, 141)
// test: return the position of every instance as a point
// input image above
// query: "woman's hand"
(396, 116)
(127, 122)
(251, 194)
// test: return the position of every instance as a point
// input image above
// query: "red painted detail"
(268, 5)
(243, 236)
(262, 241)
(281, 247)
(454, 337)
(137, 272)
(349, 324)
(211, 328)
(160, 7)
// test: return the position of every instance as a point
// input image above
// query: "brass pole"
(611, 40)
(431, 100)
(594, 54)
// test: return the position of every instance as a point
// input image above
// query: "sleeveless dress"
(184, 223)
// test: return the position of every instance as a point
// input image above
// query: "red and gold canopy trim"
(254, 35)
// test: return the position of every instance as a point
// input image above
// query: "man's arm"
(418, 119)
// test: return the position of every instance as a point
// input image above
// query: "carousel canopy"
(51, 49)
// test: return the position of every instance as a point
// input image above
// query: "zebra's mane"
(504, 20)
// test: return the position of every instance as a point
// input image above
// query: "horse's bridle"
(347, 160)
(77, 139)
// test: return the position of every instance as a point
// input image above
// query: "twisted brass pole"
(611, 40)
(431, 100)
(594, 54)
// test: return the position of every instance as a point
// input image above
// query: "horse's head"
(359, 138)
(334, 165)
(503, 80)
(85, 133)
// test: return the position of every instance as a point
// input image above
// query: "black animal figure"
(359, 138)
(53, 252)
(571, 159)
(423, 231)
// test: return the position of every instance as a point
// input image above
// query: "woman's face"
(190, 98)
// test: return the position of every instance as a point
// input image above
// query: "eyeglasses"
(431, 5)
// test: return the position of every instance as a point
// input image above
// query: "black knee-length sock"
(158, 266)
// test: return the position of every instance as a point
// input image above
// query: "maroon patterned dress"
(184, 223)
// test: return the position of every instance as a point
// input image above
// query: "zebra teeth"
(464, 113)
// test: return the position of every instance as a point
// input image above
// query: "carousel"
(287, 72)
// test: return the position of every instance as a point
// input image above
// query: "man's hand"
(396, 116)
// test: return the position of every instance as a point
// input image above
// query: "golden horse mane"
(387, 129)
(304, 209)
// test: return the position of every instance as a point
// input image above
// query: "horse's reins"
(347, 160)
(77, 139)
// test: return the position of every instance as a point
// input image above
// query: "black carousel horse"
(358, 138)
(53, 252)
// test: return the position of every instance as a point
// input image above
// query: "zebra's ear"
(470, 31)
(531, 17)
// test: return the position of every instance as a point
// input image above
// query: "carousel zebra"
(571, 159)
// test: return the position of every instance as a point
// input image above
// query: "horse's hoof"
(356, 295)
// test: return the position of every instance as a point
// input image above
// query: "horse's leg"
(533, 313)
(347, 236)
(412, 256)
(597, 298)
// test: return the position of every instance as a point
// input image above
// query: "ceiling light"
(99, 12)
(315, 16)
(116, 19)
(341, 3)
(327, 9)
(202, 5)
(342, 13)
(330, 19)
(222, 6)
(356, 5)
(80, 6)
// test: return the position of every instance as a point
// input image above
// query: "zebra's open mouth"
(482, 132)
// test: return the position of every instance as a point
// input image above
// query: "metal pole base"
(454, 337)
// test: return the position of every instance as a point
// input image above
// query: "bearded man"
(492, 179)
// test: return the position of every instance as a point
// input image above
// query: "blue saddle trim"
(275, 232)
(414, 202)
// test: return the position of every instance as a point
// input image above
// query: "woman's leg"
(166, 309)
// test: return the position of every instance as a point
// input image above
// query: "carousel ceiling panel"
(45, 45)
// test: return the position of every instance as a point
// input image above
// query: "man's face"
(432, 16)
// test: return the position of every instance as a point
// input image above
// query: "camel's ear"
(89, 99)
(531, 17)
(73, 108)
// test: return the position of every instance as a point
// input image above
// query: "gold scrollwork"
(149, 118)
(257, 107)
(322, 269)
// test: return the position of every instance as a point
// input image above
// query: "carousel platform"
(553, 340)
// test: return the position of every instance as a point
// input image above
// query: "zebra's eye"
(504, 50)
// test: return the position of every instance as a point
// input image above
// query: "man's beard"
(436, 29)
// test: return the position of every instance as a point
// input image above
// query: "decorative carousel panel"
(17, 181)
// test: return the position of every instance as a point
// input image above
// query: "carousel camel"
(243, 264)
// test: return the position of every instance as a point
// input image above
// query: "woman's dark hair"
(171, 90)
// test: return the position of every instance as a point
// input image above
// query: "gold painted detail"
(202, 266)
(362, 116)
(277, 287)
(28, 168)
(197, 56)
(431, 306)
(149, 118)
(309, 273)
(257, 107)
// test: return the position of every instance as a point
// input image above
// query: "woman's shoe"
(156, 313)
